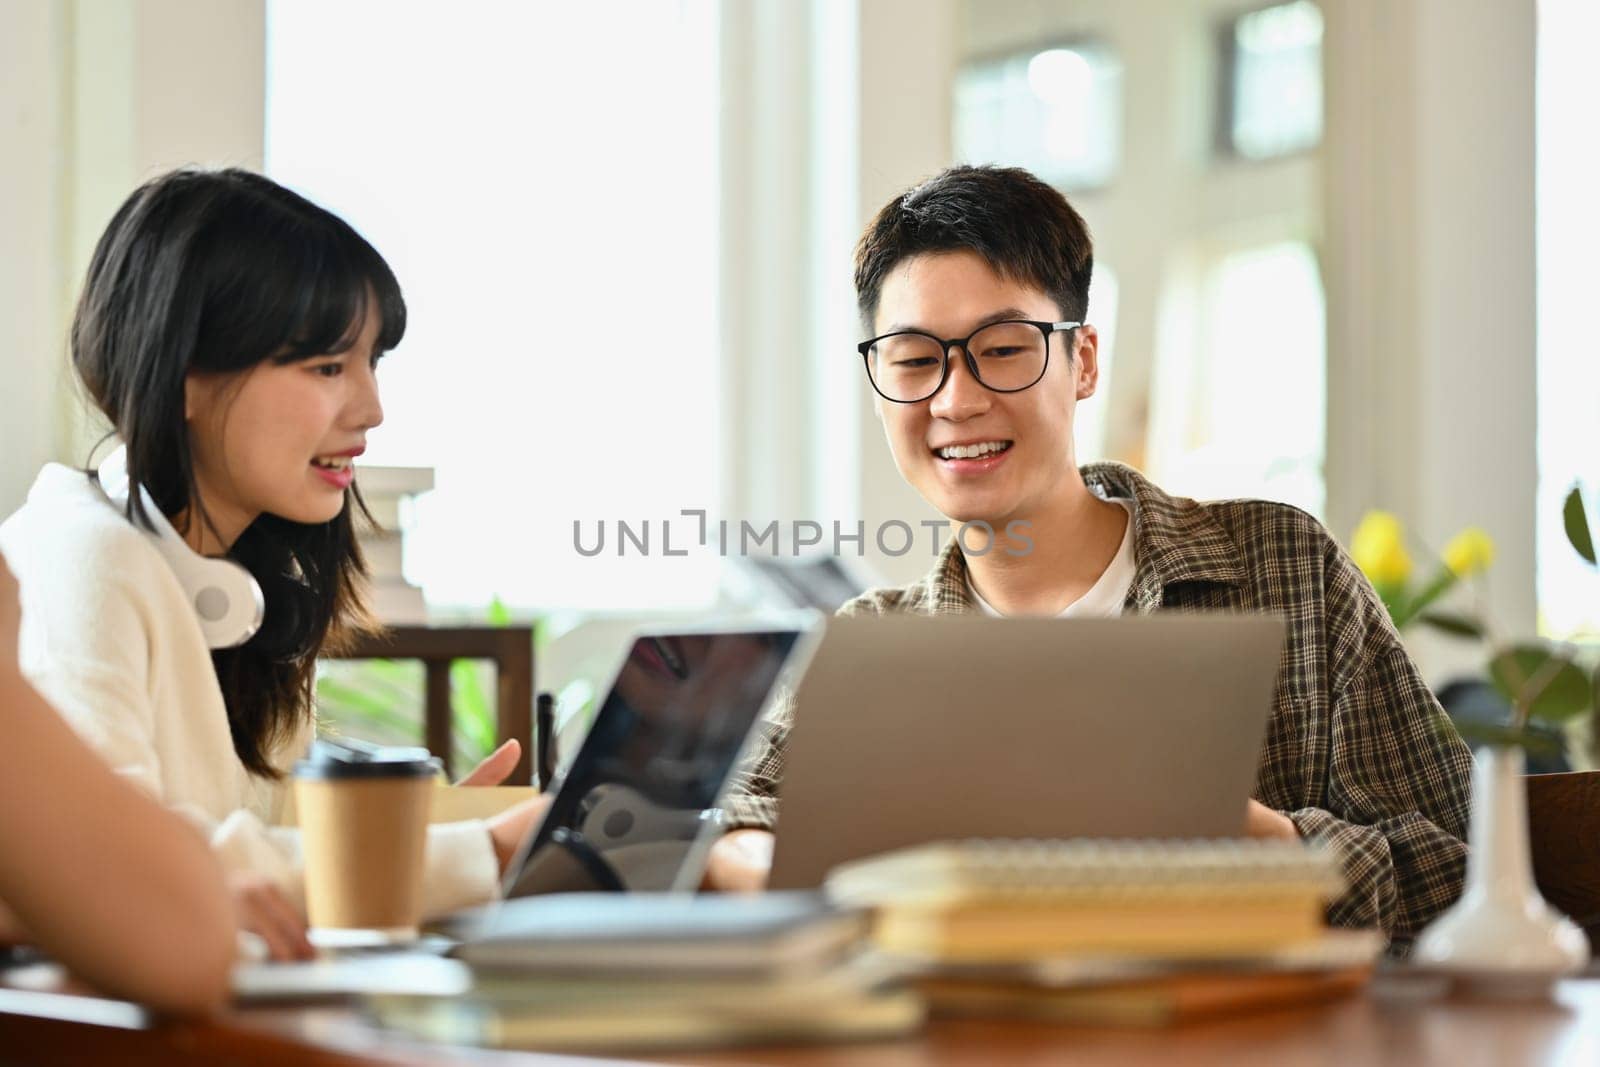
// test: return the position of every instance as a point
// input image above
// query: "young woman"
(118, 932)
(230, 331)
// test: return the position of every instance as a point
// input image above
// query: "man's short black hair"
(1022, 227)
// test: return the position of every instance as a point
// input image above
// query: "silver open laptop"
(909, 730)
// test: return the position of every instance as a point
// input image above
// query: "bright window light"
(1238, 400)
(1057, 112)
(544, 180)
(1567, 172)
(1276, 91)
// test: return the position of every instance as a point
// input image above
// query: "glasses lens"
(905, 366)
(1009, 355)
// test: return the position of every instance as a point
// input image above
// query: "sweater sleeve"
(89, 640)
(459, 867)
(86, 647)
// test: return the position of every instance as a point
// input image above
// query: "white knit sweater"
(109, 638)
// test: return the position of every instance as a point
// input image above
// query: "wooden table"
(1389, 1025)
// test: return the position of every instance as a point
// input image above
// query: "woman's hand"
(261, 908)
(508, 829)
(496, 766)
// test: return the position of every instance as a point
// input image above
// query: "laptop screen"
(637, 799)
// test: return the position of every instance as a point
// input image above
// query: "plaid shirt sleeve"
(1399, 778)
(751, 801)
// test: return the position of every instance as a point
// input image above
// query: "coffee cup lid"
(349, 758)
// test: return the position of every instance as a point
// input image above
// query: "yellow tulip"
(1378, 548)
(1470, 551)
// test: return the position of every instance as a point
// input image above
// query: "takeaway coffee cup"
(363, 814)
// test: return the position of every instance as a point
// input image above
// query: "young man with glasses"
(973, 290)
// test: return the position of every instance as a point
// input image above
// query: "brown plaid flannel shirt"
(1358, 752)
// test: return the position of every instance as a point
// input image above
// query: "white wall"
(95, 97)
(903, 137)
(32, 82)
(819, 133)
(1429, 263)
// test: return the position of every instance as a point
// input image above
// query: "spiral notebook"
(1001, 901)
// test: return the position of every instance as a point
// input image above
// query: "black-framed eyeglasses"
(908, 366)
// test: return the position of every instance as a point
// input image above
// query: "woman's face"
(280, 439)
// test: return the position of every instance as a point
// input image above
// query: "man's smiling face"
(951, 294)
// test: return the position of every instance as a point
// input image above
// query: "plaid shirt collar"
(1175, 540)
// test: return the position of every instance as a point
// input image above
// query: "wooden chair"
(1564, 834)
(510, 648)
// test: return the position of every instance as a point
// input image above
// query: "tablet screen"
(630, 810)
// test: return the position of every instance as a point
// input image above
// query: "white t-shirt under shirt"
(1104, 599)
(111, 640)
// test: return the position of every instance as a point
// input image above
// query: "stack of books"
(609, 972)
(1110, 932)
(392, 600)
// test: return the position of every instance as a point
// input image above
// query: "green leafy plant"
(1543, 681)
(473, 721)
(381, 699)
(1575, 518)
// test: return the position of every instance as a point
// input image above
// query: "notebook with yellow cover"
(999, 900)
(1161, 1001)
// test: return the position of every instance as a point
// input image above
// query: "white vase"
(1501, 937)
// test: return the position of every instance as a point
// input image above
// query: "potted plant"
(1501, 934)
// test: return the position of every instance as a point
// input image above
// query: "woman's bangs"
(335, 308)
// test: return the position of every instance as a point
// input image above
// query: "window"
(1567, 172)
(544, 181)
(1237, 397)
(1216, 382)
(1272, 89)
(1056, 112)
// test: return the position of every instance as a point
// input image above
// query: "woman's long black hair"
(219, 271)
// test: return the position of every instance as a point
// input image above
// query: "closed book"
(636, 934)
(1162, 1001)
(623, 1018)
(1042, 931)
(850, 978)
(396, 603)
(383, 552)
(998, 901)
(1333, 949)
(1080, 870)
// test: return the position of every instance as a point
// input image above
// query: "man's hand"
(496, 766)
(1261, 821)
(507, 830)
(740, 862)
(260, 907)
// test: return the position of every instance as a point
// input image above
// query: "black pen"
(544, 730)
